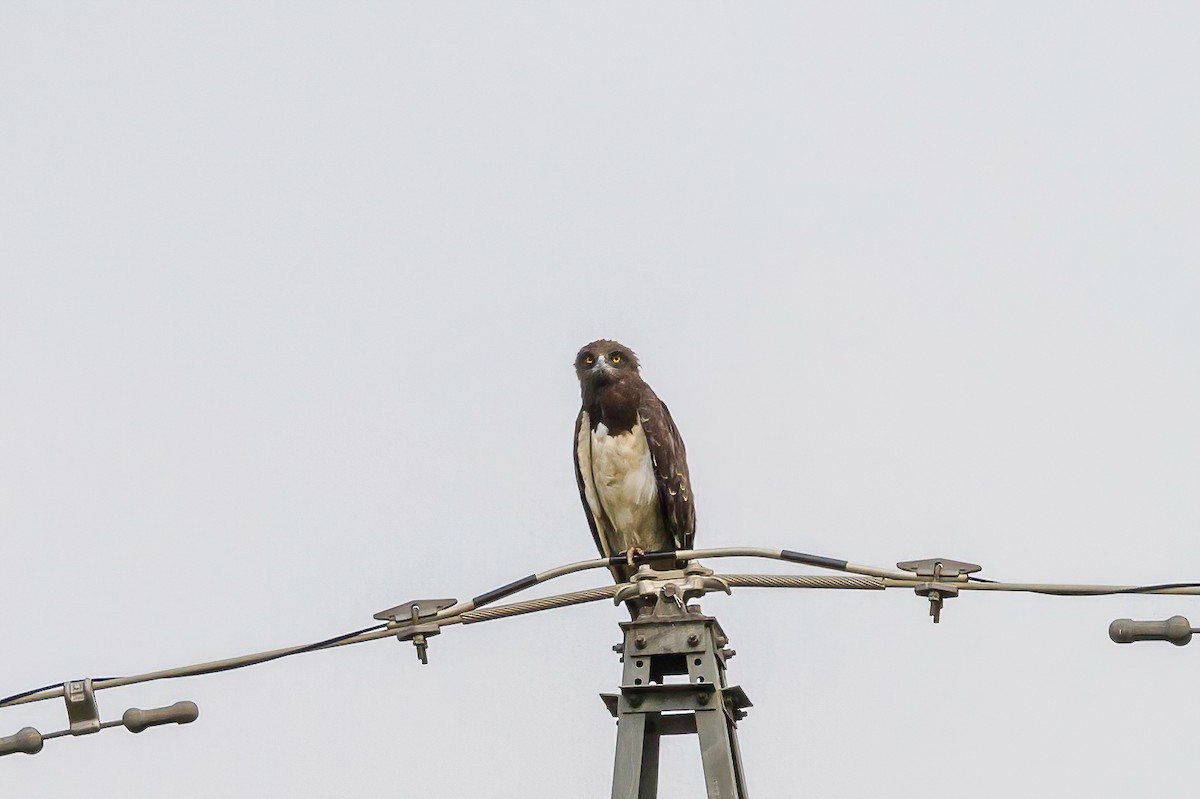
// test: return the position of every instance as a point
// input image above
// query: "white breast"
(623, 479)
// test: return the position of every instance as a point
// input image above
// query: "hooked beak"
(601, 367)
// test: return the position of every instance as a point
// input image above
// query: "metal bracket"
(936, 593)
(938, 569)
(673, 682)
(676, 585)
(408, 616)
(82, 711)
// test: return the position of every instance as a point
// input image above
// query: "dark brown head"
(605, 361)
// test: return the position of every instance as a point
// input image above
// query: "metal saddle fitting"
(937, 569)
(675, 585)
(82, 711)
(408, 616)
(672, 639)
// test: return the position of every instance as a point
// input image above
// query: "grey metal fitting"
(1177, 629)
(408, 618)
(82, 711)
(27, 740)
(137, 720)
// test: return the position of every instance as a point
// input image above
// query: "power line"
(935, 579)
(467, 612)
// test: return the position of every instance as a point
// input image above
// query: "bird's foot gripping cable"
(678, 585)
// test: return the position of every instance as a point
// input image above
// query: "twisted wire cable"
(801, 581)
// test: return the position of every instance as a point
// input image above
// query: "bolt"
(702, 698)
(640, 642)
(618, 648)
(693, 639)
(635, 700)
(728, 653)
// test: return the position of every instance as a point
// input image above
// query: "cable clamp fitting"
(410, 627)
(677, 585)
(82, 711)
(938, 569)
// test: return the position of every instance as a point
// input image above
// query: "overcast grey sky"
(289, 298)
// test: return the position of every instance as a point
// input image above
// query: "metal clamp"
(82, 711)
(408, 616)
(936, 593)
(679, 585)
(938, 569)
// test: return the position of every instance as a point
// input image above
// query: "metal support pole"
(671, 640)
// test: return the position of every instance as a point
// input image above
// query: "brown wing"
(670, 470)
(601, 544)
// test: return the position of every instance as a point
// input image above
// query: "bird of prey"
(630, 462)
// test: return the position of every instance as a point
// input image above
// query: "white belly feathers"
(622, 483)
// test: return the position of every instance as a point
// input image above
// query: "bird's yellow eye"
(615, 357)
(589, 359)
